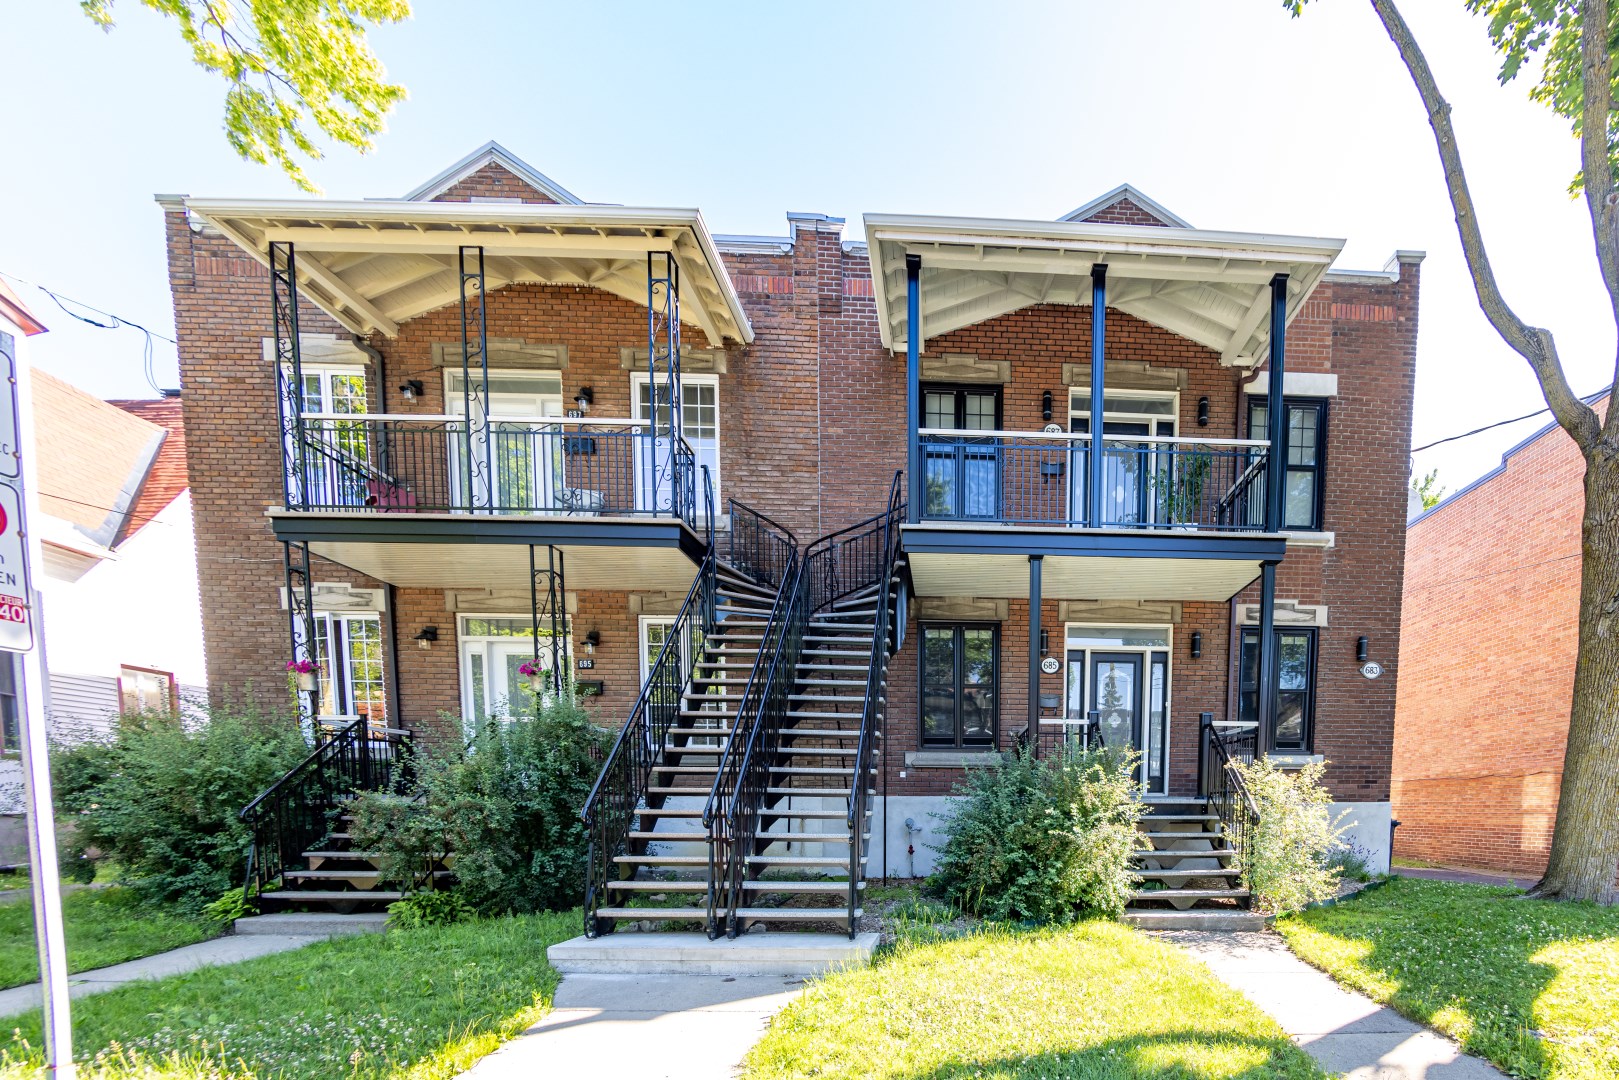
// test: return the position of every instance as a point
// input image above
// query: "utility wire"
(1475, 431)
(116, 322)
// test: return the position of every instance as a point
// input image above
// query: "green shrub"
(160, 796)
(508, 809)
(1288, 861)
(1043, 838)
(228, 908)
(420, 909)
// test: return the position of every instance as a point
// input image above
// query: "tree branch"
(1596, 77)
(1533, 343)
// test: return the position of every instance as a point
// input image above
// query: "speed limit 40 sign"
(16, 617)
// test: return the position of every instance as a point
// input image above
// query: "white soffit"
(373, 265)
(1210, 287)
(1078, 577)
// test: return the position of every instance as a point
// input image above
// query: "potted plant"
(305, 673)
(1181, 488)
(537, 676)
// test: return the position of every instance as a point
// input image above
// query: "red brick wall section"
(1487, 664)
(491, 182)
(1126, 212)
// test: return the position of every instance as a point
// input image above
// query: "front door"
(511, 695)
(1116, 697)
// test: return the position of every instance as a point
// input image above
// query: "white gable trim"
(1135, 195)
(492, 151)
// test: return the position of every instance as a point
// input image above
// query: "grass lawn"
(1484, 966)
(104, 926)
(1096, 1001)
(412, 1003)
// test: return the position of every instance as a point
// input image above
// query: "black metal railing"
(1220, 753)
(298, 810)
(1147, 482)
(757, 546)
(609, 813)
(569, 468)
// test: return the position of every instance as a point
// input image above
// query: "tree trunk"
(1585, 847)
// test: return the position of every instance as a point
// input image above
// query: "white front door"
(493, 648)
(526, 453)
(699, 423)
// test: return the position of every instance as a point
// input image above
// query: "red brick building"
(433, 456)
(1478, 760)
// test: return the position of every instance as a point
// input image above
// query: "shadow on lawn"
(1461, 958)
(1173, 1055)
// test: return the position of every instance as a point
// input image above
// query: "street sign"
(16, 609)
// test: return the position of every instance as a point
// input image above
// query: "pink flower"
(302, 667)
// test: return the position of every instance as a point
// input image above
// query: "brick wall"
(1487, 665)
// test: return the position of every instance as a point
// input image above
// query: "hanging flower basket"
(306, 673)
(536, 675)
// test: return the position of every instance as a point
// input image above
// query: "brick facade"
(1487, 667)
(812, 418)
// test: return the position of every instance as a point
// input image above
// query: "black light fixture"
(1202, 412)
(1197, 644)
(1045, 405)
(412, 389)
(592, 640)
(584, 398)
(1360, 649)
(1045, 641)
(426, 636)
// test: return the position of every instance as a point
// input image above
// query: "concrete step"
(1187, 875)
(1188, 894)
(313, 923)
(1194, 919)
(695, 954)
(312, 896)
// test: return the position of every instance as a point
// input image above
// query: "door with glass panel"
(493, 649)
(336, 453)
(699, 424)
(520, 462)
(961, 474)
(1135, 475)
(1121, 673)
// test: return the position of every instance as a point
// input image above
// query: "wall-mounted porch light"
(1202, 412)
(1045, 641)
(1197, 644)
(412, 389)
(426, 636)
(592, 640)
(1045, 405)
(1361, 652)
(584, 398)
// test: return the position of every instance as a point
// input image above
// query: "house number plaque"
(586, 663)
(1051, 665)
(1371, 669)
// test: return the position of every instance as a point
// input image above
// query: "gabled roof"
(17, 311)
(166, 479)
(492, 152)
(94, 459)
(1127, 193)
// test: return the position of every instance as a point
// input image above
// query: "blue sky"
(1230, 113)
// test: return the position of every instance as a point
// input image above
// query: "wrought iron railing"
(609, 812)
(405, 463)
(759, 547)
(1148, 482)
(298, 810)
(1220, 753)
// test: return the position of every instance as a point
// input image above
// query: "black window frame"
(960, 389)
(957, 654)
(1319, 470)
(1247, 714)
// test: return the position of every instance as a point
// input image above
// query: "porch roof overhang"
(373, 265)
(1210, 287)
(1085, 564)
(472, 551)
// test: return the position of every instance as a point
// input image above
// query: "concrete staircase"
(1190, 877)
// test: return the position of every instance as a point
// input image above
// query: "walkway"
(650, 1027)
(223, 950)
(1346, 1033)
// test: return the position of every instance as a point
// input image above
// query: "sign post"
(19, 630)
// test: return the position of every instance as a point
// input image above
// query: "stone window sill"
(1294, 761)
(947, 759)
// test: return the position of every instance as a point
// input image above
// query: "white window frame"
(463, 659)
(639, 379)
(338, 670)
(1145, 651)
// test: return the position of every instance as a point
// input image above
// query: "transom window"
(1295, 705)
(1306, 459)
(960, 680)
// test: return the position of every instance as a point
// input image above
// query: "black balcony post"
(475, 341)
(289, 371)
(1276, 409)
(913, 382)
(1093, 509)
(1265, 712)
(1036, 565)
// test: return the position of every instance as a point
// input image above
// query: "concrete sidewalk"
(649, 1027)
(1347, 1034)
(224, 950)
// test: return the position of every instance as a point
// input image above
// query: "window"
(349, 649)
(146, 690)
(699, 419)
(10, 722)
(960, 676)
(337, 452)
(961, 475)
(1295, 707)
(1306, 458)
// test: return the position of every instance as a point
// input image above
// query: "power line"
(1476, 431)
(117, 322)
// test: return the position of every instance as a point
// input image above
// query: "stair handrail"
(1221, 782)
(872, 713)
(758, 546)
(609, 810)
(286, 818)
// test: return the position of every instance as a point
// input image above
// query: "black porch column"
(1036, 565)
(1093, 509)
(1276, 409)
(913, 385)
(1265, 712)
